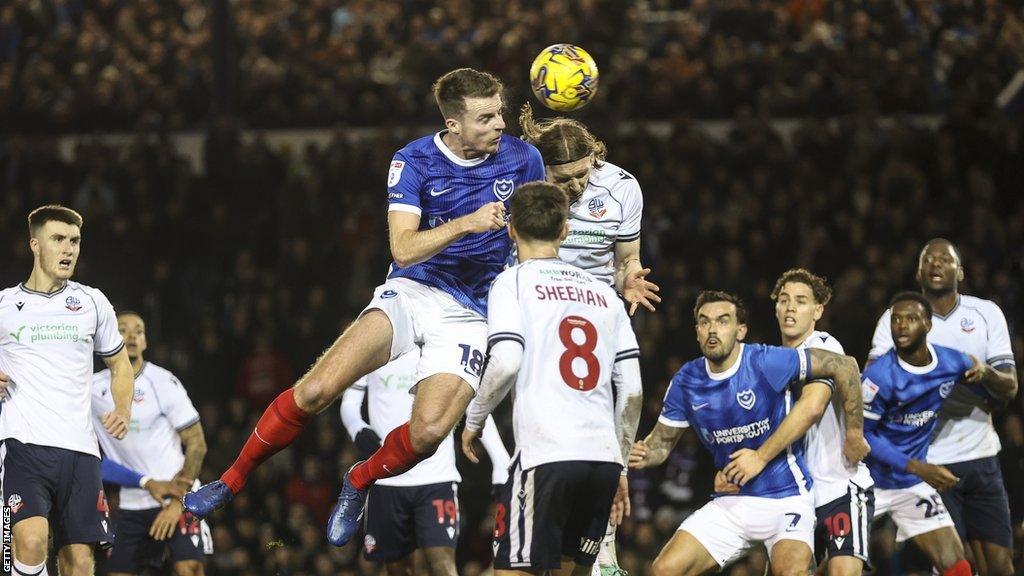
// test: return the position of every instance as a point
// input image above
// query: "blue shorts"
(432, 511)
(135, 550)
(978, 503)
(59, 484)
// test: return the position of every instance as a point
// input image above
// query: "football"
(564, 77)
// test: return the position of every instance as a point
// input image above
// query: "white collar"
(728, 373)
(920, 369)
(451, 155)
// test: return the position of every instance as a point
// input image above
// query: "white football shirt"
(160, 409)
(389, 406)
(977, 327)
(573, 329)
(47, 343)
(609, 211)
(824, 440)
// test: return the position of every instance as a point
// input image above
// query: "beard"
(720, 353)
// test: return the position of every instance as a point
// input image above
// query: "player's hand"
(745, 465)
(367, 441)
(620, 504)
(116, 422)
(166, 521)
(468, 439)
(5, 381)
(490, 216)
(638, 291)
(160, 489)
(183, 482)
(723, 486)
(938, 477)
(977, 372)
(639, 455)
(855, 448)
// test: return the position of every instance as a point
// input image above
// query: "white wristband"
(143, 481)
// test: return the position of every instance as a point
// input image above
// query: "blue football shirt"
(740, 408)
(427, 179)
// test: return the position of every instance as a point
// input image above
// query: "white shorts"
(452, 338)
(915, 510)
(728, 525)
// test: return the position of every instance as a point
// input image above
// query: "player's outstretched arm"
(194, 441)
(631, 277)
(1001, 381)
(654, 449)
(503, 361)
(746, 464)
(629, 399)
(938, 477)
(845, 373)
(122, 388)
(410, 245)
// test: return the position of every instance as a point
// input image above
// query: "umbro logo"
(20, 305)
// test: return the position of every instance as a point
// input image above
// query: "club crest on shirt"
(967, 325)
(73, 304)
(370, 544)
(139, 396)
(945, 388)
(746, 398)
(503, 188)
(596, 207)
(15, 503)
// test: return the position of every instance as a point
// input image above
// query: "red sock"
(280, 424)
(961, 568)
(394, 457)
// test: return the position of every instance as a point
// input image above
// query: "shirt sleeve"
(672, 411)
(504, 315)
(405, 184)
(881, 342)
(108, 340)
(626, 345)
(873, 398)
(534, 165)
(784, 366)
(632, 209)
(999, 351)
(176, 405)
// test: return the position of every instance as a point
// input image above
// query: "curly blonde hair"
(560, 140)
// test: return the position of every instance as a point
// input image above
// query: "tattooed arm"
(844, 372)
(654, 449)
(195, 451)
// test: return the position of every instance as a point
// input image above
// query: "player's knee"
(79, 565)
(427, 436)
(313, 395)
(662, 567)
(31, 548)
(188, 568)
(439, 565)
(998, 563)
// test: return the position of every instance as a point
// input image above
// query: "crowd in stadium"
(75, 65)
(247, 269)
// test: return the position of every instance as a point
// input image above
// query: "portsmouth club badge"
(503, 189)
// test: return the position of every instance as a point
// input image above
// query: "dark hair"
(452, 89)
(909, 296)
(819, 287)
(129, 313)
(539, 211)
(560, 140)
(52, 212)
(709, 296)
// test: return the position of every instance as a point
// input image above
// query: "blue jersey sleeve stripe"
(629, 238)
(503, 336)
